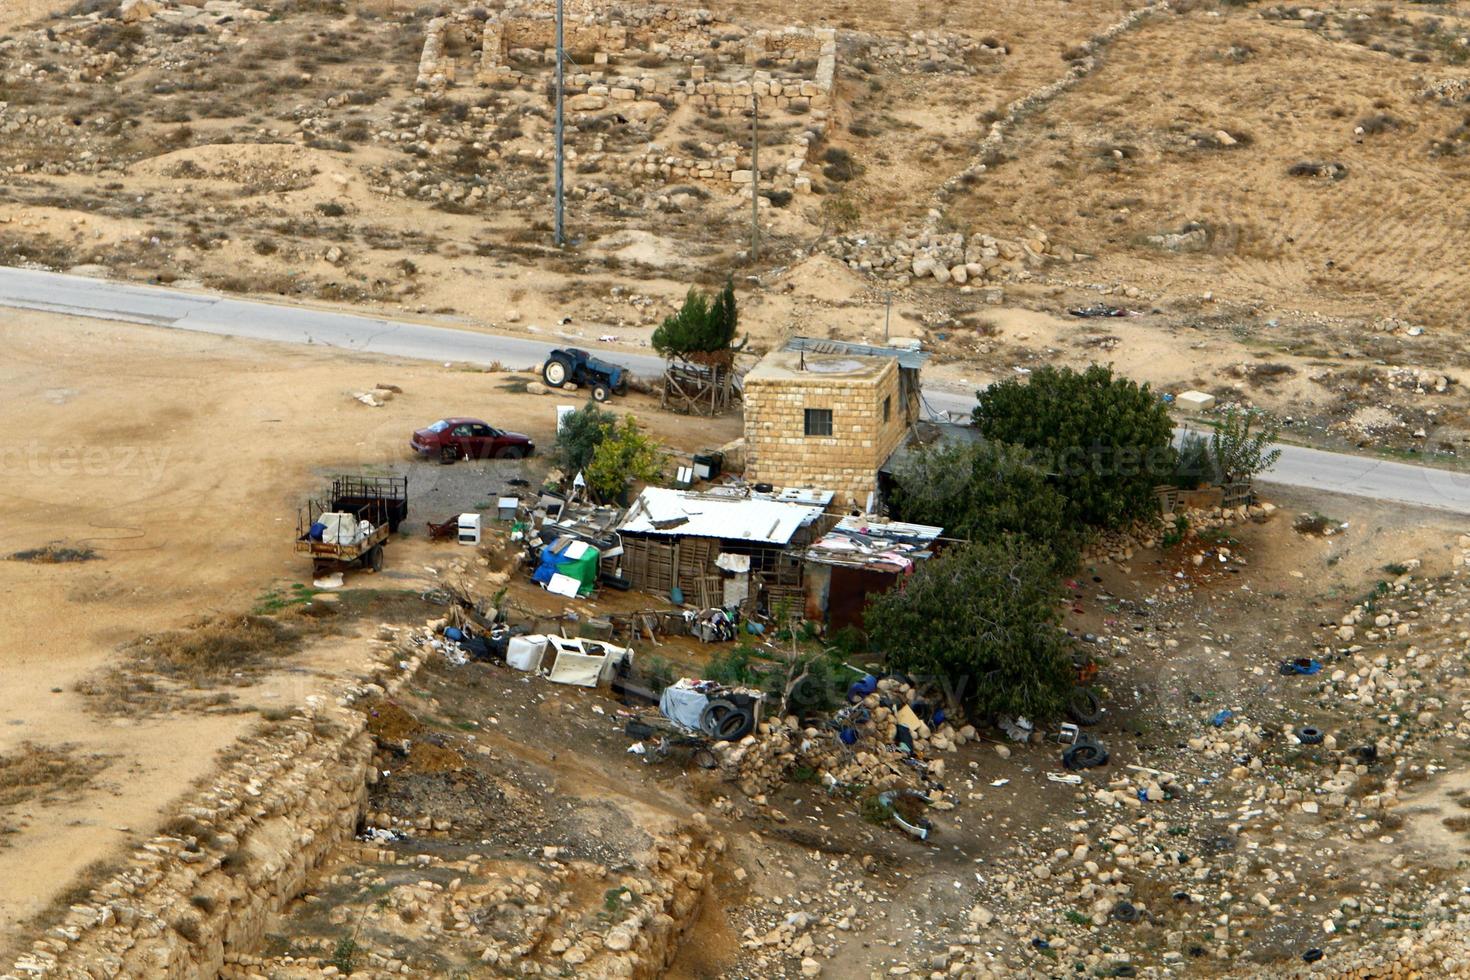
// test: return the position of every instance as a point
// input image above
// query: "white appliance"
(469, 528)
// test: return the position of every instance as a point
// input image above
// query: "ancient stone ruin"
(658, 66)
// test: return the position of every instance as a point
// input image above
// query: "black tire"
(1309, 735)
(510, 452)
(741, 724)
(1085, 755)
(374, 560)
(448, 455)
(556, 372)
(601, 392)
(726, 720)
(1084, 707)
(1125, 912)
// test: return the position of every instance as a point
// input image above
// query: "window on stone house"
(887, 408)
(819, 421)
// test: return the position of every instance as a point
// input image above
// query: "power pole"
(755, 173)
(887, 313)
(561, 55)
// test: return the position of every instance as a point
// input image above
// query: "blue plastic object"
(1221, 717)
(861, 689)
(453, 633)
(676, 596)
(848, 736)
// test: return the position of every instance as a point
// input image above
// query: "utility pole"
(561, 56)
(755, 173)
(887, 313)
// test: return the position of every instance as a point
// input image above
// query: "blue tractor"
(575, 366)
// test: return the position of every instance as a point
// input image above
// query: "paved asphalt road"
(80, 296)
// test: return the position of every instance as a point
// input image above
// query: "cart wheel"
(375, 558)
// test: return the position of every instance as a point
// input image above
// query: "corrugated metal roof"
(681, 514)
(906, 357)
(889, 545)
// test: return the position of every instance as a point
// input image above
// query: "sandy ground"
(181, 459)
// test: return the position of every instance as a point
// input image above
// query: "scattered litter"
(637, 749)
(1301, 665)
(1000, 782)
(1221, 717)
(1071, 779)
(381, 835)
(1102, 310)
(1017, 730)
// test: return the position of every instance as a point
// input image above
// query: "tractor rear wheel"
(556, 372)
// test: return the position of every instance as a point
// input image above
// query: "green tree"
(983, 490)
(579, 436)
(983, 617)
(1105, 439)
(1240, 454)
(1196, 463)
(625, 453)
(702, 324)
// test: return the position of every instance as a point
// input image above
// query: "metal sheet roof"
(906, 357)
(680, 514)
(888, 545)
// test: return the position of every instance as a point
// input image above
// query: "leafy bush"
(623, 454)
(701, 325)
(1106, 440)
(579, 436)
(982, 491)
(1238, 453)
(984, 618)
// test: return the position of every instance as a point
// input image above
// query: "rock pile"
(768, 758)
(948, 257)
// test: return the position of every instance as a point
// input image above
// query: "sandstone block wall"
(206, 887)
(846, 462)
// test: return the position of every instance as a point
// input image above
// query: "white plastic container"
(469, 528)
(525, 652)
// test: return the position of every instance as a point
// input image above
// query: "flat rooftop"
(790, 365)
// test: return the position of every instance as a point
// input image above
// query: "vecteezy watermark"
(143, 464)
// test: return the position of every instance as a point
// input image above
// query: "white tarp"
(340, 528)
(525, 652)
(682, 705)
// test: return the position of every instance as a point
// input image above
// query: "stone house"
(823, 413)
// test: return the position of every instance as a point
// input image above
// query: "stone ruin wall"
(491, 48)
(286, 804)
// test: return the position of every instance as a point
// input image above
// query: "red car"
(452, 439)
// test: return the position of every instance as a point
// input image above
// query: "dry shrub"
(38, 771)
(216, 648)
(55, 554)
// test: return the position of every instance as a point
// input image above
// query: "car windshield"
(439, 426)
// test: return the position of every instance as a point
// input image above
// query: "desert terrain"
(1269, 196)
(302, 152)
